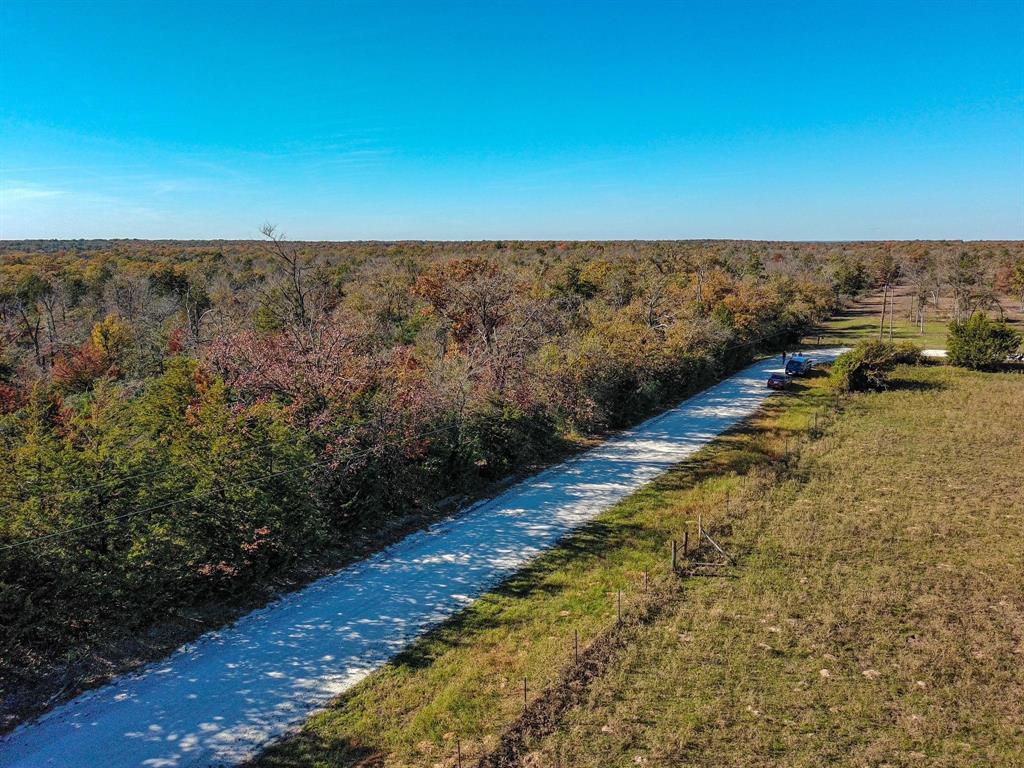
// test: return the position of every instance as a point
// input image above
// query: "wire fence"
(537, 706)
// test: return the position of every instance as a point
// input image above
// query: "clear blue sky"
(391, 120)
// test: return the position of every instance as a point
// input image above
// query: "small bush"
(499, 438)
(980, 343)
(867, 366)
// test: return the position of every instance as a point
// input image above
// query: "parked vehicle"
(798, 365)
(778, 381)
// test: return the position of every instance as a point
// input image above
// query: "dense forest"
(179, 420)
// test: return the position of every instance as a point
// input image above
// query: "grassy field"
(876, 616)
(878, 620)
(861, 320)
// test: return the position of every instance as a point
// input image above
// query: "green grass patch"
(861, 322)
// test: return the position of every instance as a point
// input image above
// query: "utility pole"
(892, 311)
(881, 322)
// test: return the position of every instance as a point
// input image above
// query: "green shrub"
(980, 343)
(867, 366)
(167, 497)
(499, 437)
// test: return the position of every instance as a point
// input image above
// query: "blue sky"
(396, 120)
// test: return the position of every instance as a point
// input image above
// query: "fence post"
(618, 606)
(673, 555)
(686, 543)
(458, 750)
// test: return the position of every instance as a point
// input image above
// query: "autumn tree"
(187, 296)
(293, 300)
(963, 270)
(921, 270)
(30, 297)
(1017, 280)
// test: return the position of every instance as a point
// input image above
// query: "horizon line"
(493, 240)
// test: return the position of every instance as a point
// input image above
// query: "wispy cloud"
(15, 192)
